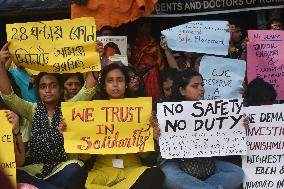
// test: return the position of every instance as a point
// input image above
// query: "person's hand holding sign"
(100, 48)
(14, 120)
(246, 121)
(163, 43)
(62, 125)
(4, 54)
(156, 129)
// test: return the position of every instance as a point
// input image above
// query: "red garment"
(146, 57)
(113, 12)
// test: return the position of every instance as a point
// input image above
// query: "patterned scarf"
(46, 145)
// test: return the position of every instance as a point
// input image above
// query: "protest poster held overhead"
(266, 58)
(201, 128)
(209, 37)
(264, 164)
(223, 77)
(7, 155)
(59, 46)
(115, 49)
(108, 126)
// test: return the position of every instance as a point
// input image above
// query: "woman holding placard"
(197, 173)
(121, 171)
(47, 166)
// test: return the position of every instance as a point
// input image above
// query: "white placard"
(201, 128)
(264, 164)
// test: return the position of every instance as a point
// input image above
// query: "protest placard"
(209, 37)
(7, 154)
(117, 126)
(115, 49)
(266, 58)
(264, 163)
(201, 128)
(58, 46)
(223, 77)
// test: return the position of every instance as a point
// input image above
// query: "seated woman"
(47, 166)
(134, 175)
(189, 87)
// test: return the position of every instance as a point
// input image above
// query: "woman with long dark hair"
(190, 87)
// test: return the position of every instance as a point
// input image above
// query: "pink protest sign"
(266, 58)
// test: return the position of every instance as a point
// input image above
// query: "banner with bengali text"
(58, 46)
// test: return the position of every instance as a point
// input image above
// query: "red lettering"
(115, 111)
(122, 114)
(89, 114)
(75, 115)
(85, 115)
(88, 144)
(139, 113)
(109, 129)
(106, 109)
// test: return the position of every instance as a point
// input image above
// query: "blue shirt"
(22, 79)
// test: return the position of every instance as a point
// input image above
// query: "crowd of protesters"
(33, 104)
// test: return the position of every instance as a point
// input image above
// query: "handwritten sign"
(209, 37)
(7, 154)
(59, 46)
(266, 58)
(201, 128)
(108, 126)
(115, 49)
(223, 77)
(264, 164)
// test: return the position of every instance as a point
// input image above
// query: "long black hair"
(259, 92)
(103, 95)
(182, 81)
(141, 90)
(66, 76)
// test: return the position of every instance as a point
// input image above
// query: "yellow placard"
(108, 126)
(7, 154)
(58, 46)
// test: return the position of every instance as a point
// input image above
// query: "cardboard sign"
(7, 154)
(264, 164)
(201, 128)
(209, 37)
(58, 46)
(223, 77)
(115, 49)
(266, 58)
(108, 126)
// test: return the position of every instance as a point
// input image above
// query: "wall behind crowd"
(247, 20)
